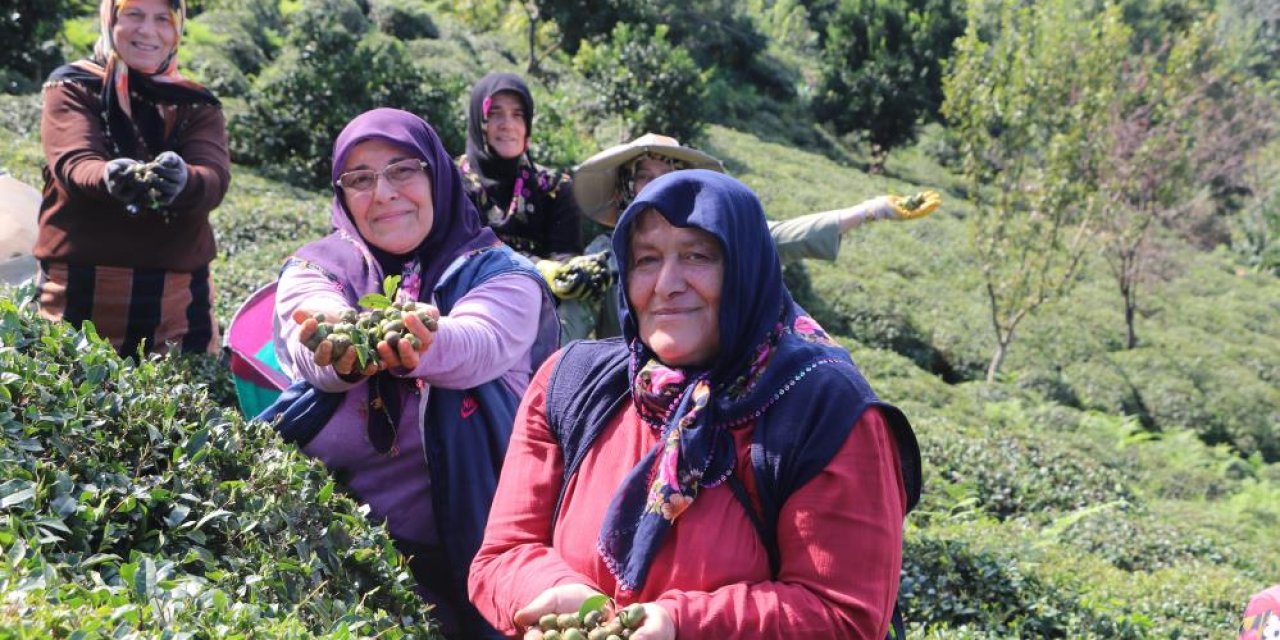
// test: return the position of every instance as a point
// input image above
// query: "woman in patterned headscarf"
(724, 462)
(136, 160)
(528, 205)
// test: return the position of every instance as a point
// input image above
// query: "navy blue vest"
(464, 449)
(591, 382)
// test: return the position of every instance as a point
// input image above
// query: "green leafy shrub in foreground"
(131, 504)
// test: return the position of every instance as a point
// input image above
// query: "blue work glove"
(171, 176)
(121, 178)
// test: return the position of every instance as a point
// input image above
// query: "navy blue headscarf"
(773, 358)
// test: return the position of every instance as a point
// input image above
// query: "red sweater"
(840, 537)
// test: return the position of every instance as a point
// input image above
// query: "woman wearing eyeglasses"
(419, 434)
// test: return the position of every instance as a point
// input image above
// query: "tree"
(881, 68)
(29, 29)
(1177, 126)
(652, 84)
(1023, 102)
(576, 24)
(332, 68)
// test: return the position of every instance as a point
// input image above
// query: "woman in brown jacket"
(136, 158)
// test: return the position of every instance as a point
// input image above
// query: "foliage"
(330, 70)
(1256, 232)
(403, 20)
(653, 84)
(1252, 27)
(1023, 105)
(133, 504)
(1010, 472)
(29, 29)
(231, 54)
(882, 68)
(574, 25)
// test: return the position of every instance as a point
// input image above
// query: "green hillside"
(1090, 490)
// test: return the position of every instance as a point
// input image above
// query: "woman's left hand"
(404, 354)
(658, 624)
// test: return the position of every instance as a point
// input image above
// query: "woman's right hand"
(564, 598)
(323, 354)
(121, 181)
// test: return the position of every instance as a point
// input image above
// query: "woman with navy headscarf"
(420, 434)
(723, 462)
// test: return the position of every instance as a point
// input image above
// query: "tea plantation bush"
(232, 54)
(133, 504)
(1014, 471)
(403, 19)
(652, 83)
(332, 68)
(970, 579)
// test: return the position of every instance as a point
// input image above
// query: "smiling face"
(145, 34)
(674, 283)
(504, 126)
(393, 217)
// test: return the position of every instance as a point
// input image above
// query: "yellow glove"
(578, 277)
(549, 269)
(916, 206)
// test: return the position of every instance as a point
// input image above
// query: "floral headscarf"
(774, 359)
(498, 175)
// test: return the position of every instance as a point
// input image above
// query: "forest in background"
(1086, 336)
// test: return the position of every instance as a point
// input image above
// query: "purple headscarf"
(456, 228)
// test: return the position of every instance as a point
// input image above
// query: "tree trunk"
(879, 156)
(533, 47)
(1129, 304)
(1129, 291)
(997, 359)
(532, 11)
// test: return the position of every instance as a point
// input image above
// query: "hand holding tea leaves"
(596, 618)
(386, 334)
(916, 206)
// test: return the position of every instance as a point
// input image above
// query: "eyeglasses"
(397, 173)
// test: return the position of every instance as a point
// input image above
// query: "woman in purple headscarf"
(723, 463)
(419, 435)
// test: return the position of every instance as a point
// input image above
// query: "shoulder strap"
(588, 370)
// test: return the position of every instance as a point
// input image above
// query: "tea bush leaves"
(133, 504)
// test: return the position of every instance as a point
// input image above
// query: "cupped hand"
(916, 206)
(404, 353)
(121, 180)
(564, 598)
(658, 624)
(323, 353)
